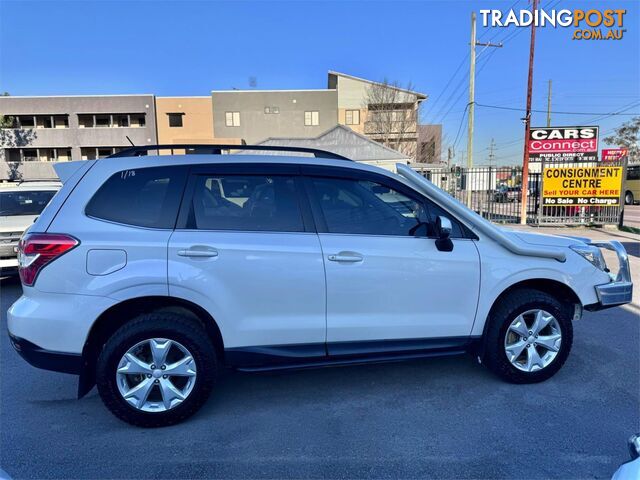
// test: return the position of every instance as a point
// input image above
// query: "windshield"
(24, 203)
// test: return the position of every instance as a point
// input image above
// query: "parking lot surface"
(444, 418)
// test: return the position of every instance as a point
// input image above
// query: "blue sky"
(190, 48)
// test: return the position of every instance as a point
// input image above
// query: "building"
(348, 143)
(74, 127)
(184, 120)
(255, 115)
(429, 144)
(383, 112)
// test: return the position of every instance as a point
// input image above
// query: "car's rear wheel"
(156, 370)
(628, 198)
(529, 336)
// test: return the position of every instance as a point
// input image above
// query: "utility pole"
(472, 99)
(549, 106)
(527, 122)
(492, 156)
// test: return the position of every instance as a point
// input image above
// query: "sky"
(192, 47)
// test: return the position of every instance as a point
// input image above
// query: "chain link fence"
(496, 194)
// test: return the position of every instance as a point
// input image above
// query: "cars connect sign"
(563, 144)
(581, 186)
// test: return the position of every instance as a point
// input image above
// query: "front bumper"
(46, 359)
(620, 290)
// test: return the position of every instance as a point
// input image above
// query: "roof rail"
(220, 149)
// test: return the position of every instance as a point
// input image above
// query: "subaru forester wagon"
(147, 274)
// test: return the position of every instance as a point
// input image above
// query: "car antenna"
(127, 137)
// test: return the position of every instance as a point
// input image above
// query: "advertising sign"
(551, 144)
(581, 186)
(614, 154)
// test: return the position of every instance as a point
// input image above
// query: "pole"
(527, 120)
(472, 94)
(549, 106)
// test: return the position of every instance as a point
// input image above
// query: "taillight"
(36, 250)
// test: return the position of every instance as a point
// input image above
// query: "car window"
(145, 197)
(245, 202)
(24, 202)
(364, 207)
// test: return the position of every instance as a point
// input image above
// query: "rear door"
(386, 278)
(246, 250)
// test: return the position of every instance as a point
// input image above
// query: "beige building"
(383, 112)
(184, 120)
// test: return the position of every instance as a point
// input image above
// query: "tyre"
(528, 336)
(156, 370)
(628, 198)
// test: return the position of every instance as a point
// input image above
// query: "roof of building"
(421, 96)
(343, 141)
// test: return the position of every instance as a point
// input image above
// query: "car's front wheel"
(529, 336)
(156, 370)
(628, 198)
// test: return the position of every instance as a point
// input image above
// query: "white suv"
(148, 274)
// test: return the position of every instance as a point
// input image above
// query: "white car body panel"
(262, 288)
(403, 288)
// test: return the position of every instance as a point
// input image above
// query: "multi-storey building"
(254, 115)
(74, 127)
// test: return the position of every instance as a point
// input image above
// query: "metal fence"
(496, 194)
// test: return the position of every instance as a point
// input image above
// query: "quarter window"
(246, 203)
(145, 197)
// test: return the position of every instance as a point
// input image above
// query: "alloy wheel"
(533, 340)
(156, 375)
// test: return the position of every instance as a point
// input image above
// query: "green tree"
(627, 136)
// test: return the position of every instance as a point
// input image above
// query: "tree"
(392, 116)
(627, 136)
(12, 137)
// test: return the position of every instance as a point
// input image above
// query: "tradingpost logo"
(593, 24)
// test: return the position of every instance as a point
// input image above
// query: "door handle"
(201, 252)
(346, 258)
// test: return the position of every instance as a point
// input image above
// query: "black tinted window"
(146, 197)
(245, 202)
(24, 203)
(365, 207)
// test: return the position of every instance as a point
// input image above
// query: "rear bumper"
(620, 290)
(46, 359)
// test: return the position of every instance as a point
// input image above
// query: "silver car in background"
(20, 205)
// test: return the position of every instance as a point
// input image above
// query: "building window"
(352, 117)
(232, 119)
(120, 120)
(175, 119)
(27, 121)
(312, 119)
(111, 120)
(269, 110)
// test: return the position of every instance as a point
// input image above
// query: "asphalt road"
(632, 216)
(443, 418)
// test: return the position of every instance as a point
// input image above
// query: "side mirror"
(443, 230)
(443, 227)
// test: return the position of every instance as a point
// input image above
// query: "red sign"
(563, 144)
(614, 154)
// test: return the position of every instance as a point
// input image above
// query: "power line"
(555, 113)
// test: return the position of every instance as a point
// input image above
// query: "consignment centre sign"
(563, 144)
(581, 186)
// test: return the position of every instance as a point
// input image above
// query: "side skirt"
(318, 355)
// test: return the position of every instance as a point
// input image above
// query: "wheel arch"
(121, 313)
(561, 291)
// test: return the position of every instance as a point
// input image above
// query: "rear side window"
(144, 197)
(245, 203)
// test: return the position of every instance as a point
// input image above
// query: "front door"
(386, 279)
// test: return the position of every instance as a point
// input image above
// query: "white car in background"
(20, 205)
(148, 274)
